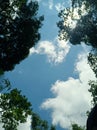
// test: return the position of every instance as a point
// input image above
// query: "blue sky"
(55, 75)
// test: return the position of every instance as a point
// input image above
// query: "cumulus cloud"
(56, 51)
(71, 98)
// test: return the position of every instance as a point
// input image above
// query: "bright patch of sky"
(57, 66)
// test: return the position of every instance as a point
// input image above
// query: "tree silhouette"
(76, 127)
(19, 31)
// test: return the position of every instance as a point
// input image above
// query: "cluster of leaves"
(39, 124)
(15, 109)
(93, 91)
(83, 18)
(76, 127)
(92, 60)
(19, 31)
(5, 85)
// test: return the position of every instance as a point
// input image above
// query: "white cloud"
(72, 98)
(51, 4)
(59, 6)
(56, 51)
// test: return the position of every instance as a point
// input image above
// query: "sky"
(55, 75)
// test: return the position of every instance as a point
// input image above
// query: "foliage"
(92, 60)
(19, 31)
(39, 124)
(5, 85)
(1, 72)
(15, 109)
(93, 91)
(53, 127)
(76, 127)
(79, 22)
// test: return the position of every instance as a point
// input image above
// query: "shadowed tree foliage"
(76, 127)
(92, 60)
(79, 22)
(19, 31)
(4, 85)
(39, 124)
(15, 109)
(92, 119)
(53, 127)
(93, 91)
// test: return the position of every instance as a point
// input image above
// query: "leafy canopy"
(76, 127)
(79, 22)
(39, 124)
(15, 109)
(19, 31)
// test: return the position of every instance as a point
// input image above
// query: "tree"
(79, 22)
(5, 85)
(93, 90)
(39, 124)
(15, 109)
(19, 31)
(52, 127)
(76, 127)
